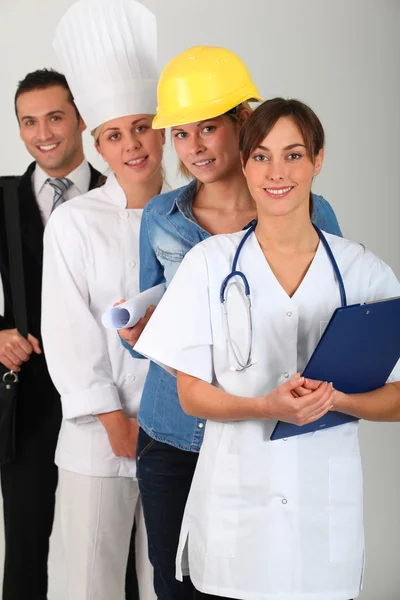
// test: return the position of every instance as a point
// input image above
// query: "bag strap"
(13, 229)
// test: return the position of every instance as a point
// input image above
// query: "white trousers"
(97, 516)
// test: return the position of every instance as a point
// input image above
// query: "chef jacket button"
(131, 264)
(201, 425)
(124, 215)
(289, 314)
(286, 375)
(284, 501)
(130, 377)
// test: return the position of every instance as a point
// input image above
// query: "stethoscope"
(241, 365)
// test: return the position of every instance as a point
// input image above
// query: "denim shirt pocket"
(170, 262)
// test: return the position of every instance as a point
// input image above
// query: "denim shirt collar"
(183, 201)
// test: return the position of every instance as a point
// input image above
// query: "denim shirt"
(168, 231)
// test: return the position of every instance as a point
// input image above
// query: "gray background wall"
(343, 58)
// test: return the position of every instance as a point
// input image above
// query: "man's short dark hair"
(40, 80)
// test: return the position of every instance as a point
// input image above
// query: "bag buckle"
(10, 376)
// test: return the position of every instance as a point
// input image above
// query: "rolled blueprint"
(128, 313)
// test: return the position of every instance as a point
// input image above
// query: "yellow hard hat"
(202, 83)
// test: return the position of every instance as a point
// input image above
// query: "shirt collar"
(80, 177)
(116, 194)
(183, 201)
(114, 191)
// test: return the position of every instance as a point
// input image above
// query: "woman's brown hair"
(263, 119)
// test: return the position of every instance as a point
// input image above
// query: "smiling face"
(209, 149)
(50, 129)
(279, 171)
(132, 148)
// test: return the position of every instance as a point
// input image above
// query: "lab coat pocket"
(215, 507)
(346, 533)
(223, 508)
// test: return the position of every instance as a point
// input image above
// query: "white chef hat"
(108, 52)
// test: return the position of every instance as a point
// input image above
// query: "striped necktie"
(60, 186)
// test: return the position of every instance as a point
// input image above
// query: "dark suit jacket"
(37, 394)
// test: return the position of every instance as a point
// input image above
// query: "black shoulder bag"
(9, 379)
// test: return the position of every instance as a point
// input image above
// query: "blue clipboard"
(357, 352)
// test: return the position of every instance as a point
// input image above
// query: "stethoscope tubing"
(235, 273)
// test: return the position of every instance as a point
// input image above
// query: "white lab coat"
(267, 520)
(91, 260)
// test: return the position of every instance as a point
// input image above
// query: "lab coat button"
(285, 439)
(289, 314)
(284, 501)
(286, 375)
(130, 377)
(131, 264)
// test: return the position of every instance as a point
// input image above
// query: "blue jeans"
(164, 474)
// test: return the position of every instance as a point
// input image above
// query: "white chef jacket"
(91, 260)
(267, 520)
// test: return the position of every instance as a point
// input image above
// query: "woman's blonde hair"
(96, 132)
(234, 114)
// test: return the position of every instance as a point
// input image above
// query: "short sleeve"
(384, 284)
(178, 336)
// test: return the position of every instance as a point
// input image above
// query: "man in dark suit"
(51, 129)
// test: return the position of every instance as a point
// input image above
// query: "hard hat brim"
(214, 109)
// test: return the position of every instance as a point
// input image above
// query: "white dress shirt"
(267, 520)
(91, 260)
(44, 193)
